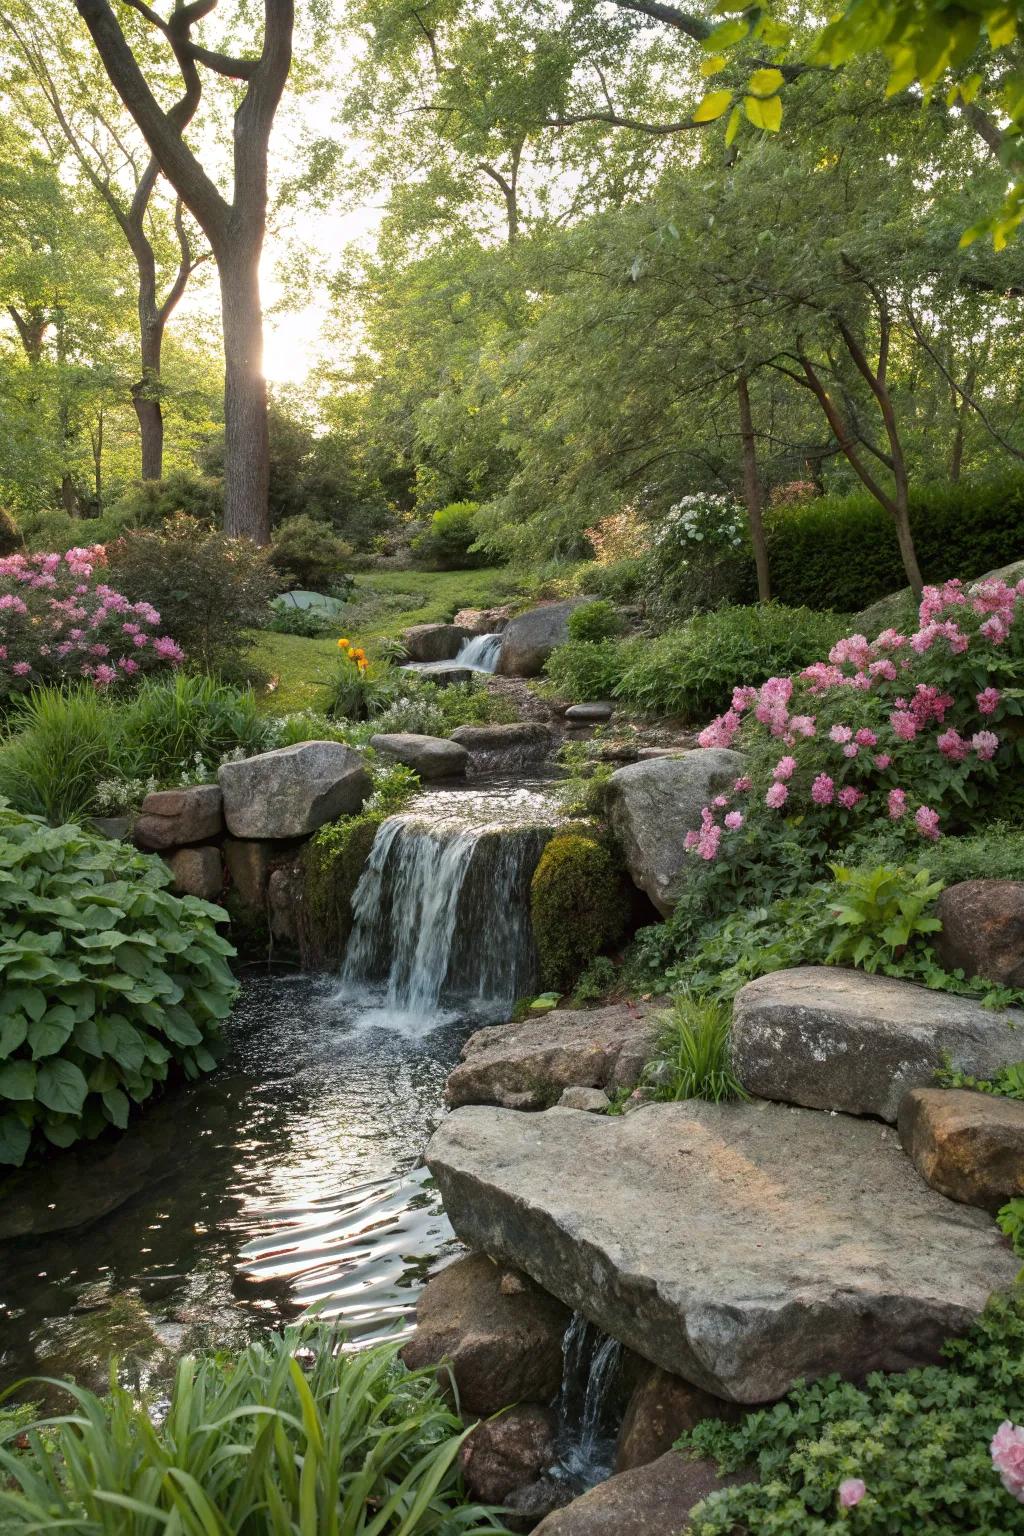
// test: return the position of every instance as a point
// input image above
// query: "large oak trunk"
(246, 436)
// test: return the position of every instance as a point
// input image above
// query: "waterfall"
(480, 652)
(441, 916)
(587, 1402)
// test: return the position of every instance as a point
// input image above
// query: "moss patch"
(578, 904)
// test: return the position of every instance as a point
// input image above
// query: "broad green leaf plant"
(107, 982)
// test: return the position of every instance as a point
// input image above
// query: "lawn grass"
(383, 605)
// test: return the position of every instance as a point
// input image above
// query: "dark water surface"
(288, 1178)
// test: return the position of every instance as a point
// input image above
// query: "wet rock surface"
(434, 642)
(655, 1500)
(528, 1065)
(836, 1039)
(740, 1246)
(652, 806)
(661, 1408)
(292, 791)
(983, 930)
(502, 1343)
(508, 1452)
(968, 1146)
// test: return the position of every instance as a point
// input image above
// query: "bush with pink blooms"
(60, 621)
(916, 729)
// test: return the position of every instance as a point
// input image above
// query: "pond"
(289, 1178)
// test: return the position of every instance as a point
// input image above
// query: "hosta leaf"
(18, 1080)
(28, 1000)
(47, 1035)
(61, 1086)
(13, 1030)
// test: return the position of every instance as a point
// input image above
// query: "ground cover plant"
(107, 983)
(692, 1059)
(927, 1452)
(294, 1434)
(60, 619)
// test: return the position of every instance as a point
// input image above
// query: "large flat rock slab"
(741, 1246)
(834, 1039)
(527, 1065)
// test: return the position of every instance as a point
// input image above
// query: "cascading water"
(481, 652)
(441, 911)
(587, 1401)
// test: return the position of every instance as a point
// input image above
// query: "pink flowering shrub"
(60, 622)
(916, 729)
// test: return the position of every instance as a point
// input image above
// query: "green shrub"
(106, 981)
(692, 671)
(446, 541)
(623, 581)
(918, 1439)
(692, 1059)
(296, 1434)
(310, 623)
(585, 670)
(60, 744)
(596, 981)
(600, 620)
(878, 913)
(578, 905)
(841, 552)
(209, 589)
(152, 502)
(308, 553)
(10, 534)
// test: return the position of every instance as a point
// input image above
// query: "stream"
(288, 1178)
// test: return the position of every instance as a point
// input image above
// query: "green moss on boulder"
(578, 904)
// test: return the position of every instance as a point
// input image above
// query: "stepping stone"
(835, 1039)
(530, 1064)
(969, 1146)
(740, 1246)
(589, 714)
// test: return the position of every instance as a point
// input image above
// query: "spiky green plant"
(292, 1437)
(692, 1059)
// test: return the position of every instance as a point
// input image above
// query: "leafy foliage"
(578, 906)
(107, 982)
(292, 1434)
(1008, 1082)
(1010, 1220)
(692, 1058)
(447, 540)
(878, 913)
(209, 589)
(918, 1439)
(308, 553)
(600, 620)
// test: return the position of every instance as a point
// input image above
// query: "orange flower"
(360, 654)
(342, 644)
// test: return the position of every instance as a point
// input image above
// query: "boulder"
(482, 621)
(898, 610)
(503, 1344)
(432, 757)
(174, 818)
(527, 641)
(968, 1146)
(528, 1065)
(508, 1452)
(740, 1246)
(292, 791)
(443, 673)
(593, 1101)
(655, 1500)
(661, 1408)
(118, 828)
(250, 864)
(653, 804)
(285, 894)
(434, 642)
(196, 872)
(983, 930)
(527, 1506)
(589, 714)
(837, 1039)
(525, 737)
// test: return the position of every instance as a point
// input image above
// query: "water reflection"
(287, 1179)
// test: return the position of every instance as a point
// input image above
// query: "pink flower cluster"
(58, 621)
(915, 724)
(1007, 1449)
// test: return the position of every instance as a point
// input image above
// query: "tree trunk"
(246, 434)
(146, 399)
(752, 491)
(97, 460)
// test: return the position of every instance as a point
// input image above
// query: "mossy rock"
(579, 905)
(332, 863)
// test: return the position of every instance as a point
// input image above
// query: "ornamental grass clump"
(291, 1437)
(59, 622)
(108, 983)
(916, 731)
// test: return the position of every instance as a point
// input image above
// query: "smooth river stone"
(741, 1246)
(836, 1039)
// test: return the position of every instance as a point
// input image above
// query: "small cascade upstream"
(587, 1402)
(481, 653)
(441, 911)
